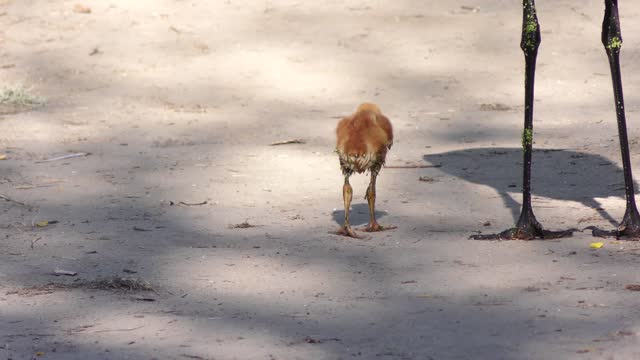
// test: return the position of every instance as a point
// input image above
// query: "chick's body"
(363, 140)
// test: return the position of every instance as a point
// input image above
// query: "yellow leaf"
(40, 353)
(3, 157)
(596, 245)
(42, 223)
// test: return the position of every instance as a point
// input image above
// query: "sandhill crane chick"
(363, 140)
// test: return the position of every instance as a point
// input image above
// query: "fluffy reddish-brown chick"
(363, 140)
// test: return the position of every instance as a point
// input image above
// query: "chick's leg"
(371, 199)
(347, 195)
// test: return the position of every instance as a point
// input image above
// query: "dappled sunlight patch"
(288, 77)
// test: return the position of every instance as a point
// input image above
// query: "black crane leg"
(527, 227)
(629, 228)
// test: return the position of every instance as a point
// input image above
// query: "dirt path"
(192, 238)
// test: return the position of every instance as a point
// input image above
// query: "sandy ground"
(178, 101)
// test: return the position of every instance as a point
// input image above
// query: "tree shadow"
(556, 174)
(359, 215)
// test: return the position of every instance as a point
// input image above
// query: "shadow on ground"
(557, 174)
(359, 215)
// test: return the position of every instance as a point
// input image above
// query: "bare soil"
(215, 245)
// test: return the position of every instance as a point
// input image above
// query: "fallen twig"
(311, 340)
(28, 335)
(59, 272)
(5, 198)
(117, 284)
(113, 330)
(192, 357)
(287, 142)
(28, 186)
(627, 250)
(63, 157)
(171, 203)
(34, 241)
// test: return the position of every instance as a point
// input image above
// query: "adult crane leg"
(527, 227)
(629, 228)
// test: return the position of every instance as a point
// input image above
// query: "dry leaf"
(427, 179)
(81, 9)
(3, 157)
(42, 223)
(244, 225)
(494, 107)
